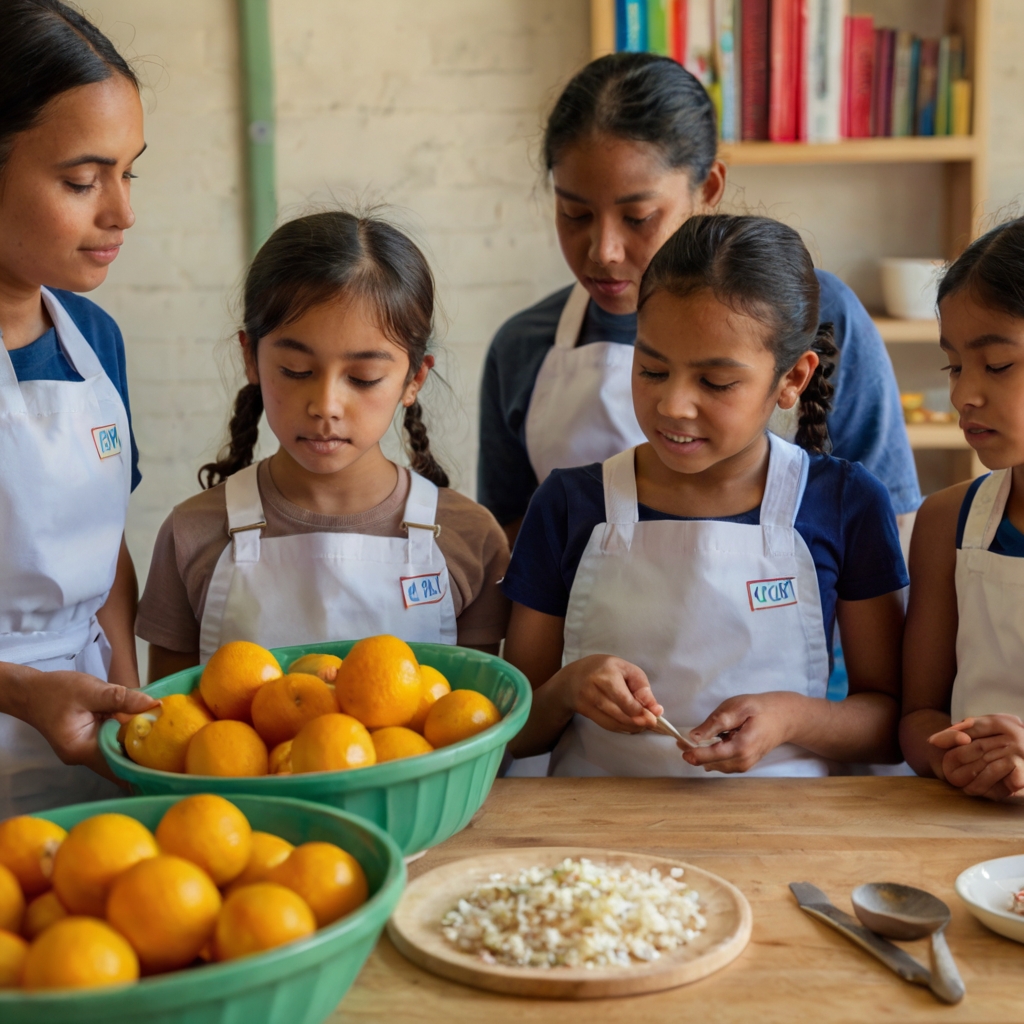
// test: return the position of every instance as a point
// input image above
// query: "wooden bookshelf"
(893, 331)
(911, 149)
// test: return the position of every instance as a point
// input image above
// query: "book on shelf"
(805, 70)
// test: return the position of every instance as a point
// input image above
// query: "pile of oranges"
(249, 718)
(109, 900)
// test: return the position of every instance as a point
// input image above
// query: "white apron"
(990, 603)
(316, 587)
(65, 479)
(707, 609)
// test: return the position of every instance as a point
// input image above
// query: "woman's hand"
(984, 755)
(609, 691)
(753, 724)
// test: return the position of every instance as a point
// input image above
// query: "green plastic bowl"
(300, 983)
(418, 801)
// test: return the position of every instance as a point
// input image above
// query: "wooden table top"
(759, 834)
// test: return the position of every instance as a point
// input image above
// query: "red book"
(783, 84)
(801, 70)
(677, 30)
(881, 100)
(861, 75)
(754, 24)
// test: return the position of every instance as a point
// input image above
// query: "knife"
(817, 904)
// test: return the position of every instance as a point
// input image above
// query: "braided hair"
(763, 268)
(316, 259)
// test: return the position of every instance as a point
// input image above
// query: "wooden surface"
(894, 331)
(908, 149)
(759, 834)
(414, 928)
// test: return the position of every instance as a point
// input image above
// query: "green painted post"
(258, 88)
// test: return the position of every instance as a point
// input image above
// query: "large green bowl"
(418, 801)
(300, 983)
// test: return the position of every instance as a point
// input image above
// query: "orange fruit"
(457, 716)
(233, 675)
(13, 950)
(95, 852)
(332, 743)
(159, 738)
(267, 852)
(209, 831)
(12, 901)
(280, 761)
(79, 952)
(43, 911)
(323, 665)
(167, 908)
(395, 741)
(435, 686)
(327, 877)
(226, 749)
(258, 917)
(283, 706)
(379, 682)
(27, 846)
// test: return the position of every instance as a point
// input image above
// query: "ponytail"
(816, 400)
(244, 429)
(421, 458)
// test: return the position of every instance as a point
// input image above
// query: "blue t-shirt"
(866, 423)
(1008, 539)
(44, 359)
(845, 518)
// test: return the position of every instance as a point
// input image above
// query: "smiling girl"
(701, 573)
(70, 132)
(327, 539)
(964, 645)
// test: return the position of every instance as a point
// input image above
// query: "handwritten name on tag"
(107, 440)
(425, 589)
(765, 594)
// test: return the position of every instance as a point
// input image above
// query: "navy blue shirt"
(44, 359)
(845, 518)
(866, 423)
(1008, 539)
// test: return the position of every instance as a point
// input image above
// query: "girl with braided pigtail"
(697, 578)
(327, 539)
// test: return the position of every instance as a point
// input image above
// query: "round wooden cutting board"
(415, 929)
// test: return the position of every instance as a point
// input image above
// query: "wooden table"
(760, 834)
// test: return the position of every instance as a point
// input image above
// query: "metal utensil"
(666, 728)
(817, 904)
(903, 912)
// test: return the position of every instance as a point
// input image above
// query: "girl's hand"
(754, 724)
(989, 759)
(609, 691)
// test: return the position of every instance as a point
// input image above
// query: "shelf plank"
(912, 149)
(924, 332)
(936, 435)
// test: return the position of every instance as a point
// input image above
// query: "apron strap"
(783, 493)
(986, 512)
(571, 320)
(620, 502)
(246, 520)
(420, 517)
(79, 352)
(11, 397)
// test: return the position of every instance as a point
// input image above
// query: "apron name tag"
(425, 589)
(777, 593)
(107, 440)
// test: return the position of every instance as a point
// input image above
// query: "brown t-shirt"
(194, 535)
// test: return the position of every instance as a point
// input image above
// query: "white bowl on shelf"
(909, 287)
(987, 889)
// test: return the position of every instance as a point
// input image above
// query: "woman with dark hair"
(630, 147)
(699, 575)
(70, 132)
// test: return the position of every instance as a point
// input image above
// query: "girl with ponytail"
(327, 539)
(698, 577)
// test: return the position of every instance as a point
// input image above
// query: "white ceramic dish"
(987, 889)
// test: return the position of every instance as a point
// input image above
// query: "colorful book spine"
(783, 84)
(881, 117)
(942, 89)
(861, 67)
(901, 122)
(725, 65)
(754, 50)
(699, 57)
(657, 27)
(927, 87)
(823, 70)
(631, 25)
(675, 29)
(960, 102)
